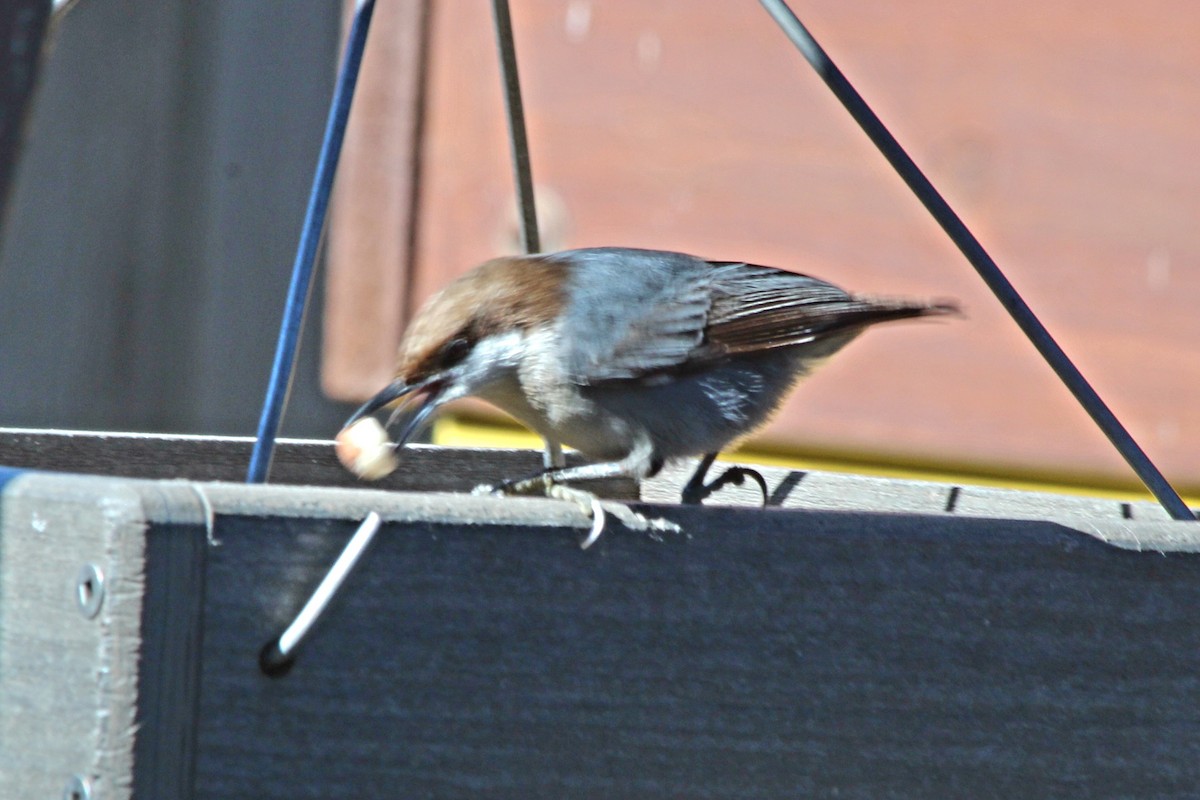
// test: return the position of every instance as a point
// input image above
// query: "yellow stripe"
(459, 431)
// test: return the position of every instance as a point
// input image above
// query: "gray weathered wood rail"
(868, 639)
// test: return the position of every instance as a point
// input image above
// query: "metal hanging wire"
(300, 289)
(277, 656)
(283, 367)
(522, 171)
(988, 270)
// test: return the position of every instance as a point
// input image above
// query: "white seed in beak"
(364, 449)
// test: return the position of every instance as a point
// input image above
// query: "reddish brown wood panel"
(370, 246)
(1062, 131)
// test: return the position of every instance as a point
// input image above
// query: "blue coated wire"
(306, 254)
(980, 260)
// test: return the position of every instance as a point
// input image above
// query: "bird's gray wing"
(761, 308)
(643, 312)
(654, 315)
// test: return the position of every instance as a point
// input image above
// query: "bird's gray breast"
(701, 412)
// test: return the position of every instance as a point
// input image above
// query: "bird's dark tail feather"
(886, 309)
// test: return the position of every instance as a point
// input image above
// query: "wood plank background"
(1062, 131)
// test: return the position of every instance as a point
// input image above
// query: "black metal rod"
(980, 260)
(516, 127)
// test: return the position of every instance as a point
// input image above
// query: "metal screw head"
(89, 590)
(77, 788)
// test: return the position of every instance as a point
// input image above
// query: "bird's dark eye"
(455, 351)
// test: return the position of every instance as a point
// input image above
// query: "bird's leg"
(696, 490)
(553, 462)
(560, 475)
(553, 456)
(638, 463)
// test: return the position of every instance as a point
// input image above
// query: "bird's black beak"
(396, 390)
(424, 394)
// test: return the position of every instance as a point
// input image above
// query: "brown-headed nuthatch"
(632, 357)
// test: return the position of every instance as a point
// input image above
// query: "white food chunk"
(364, 449)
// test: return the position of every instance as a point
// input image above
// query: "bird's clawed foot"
(590, 504)
(538, 484)
(696, 490)
(544, 485)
